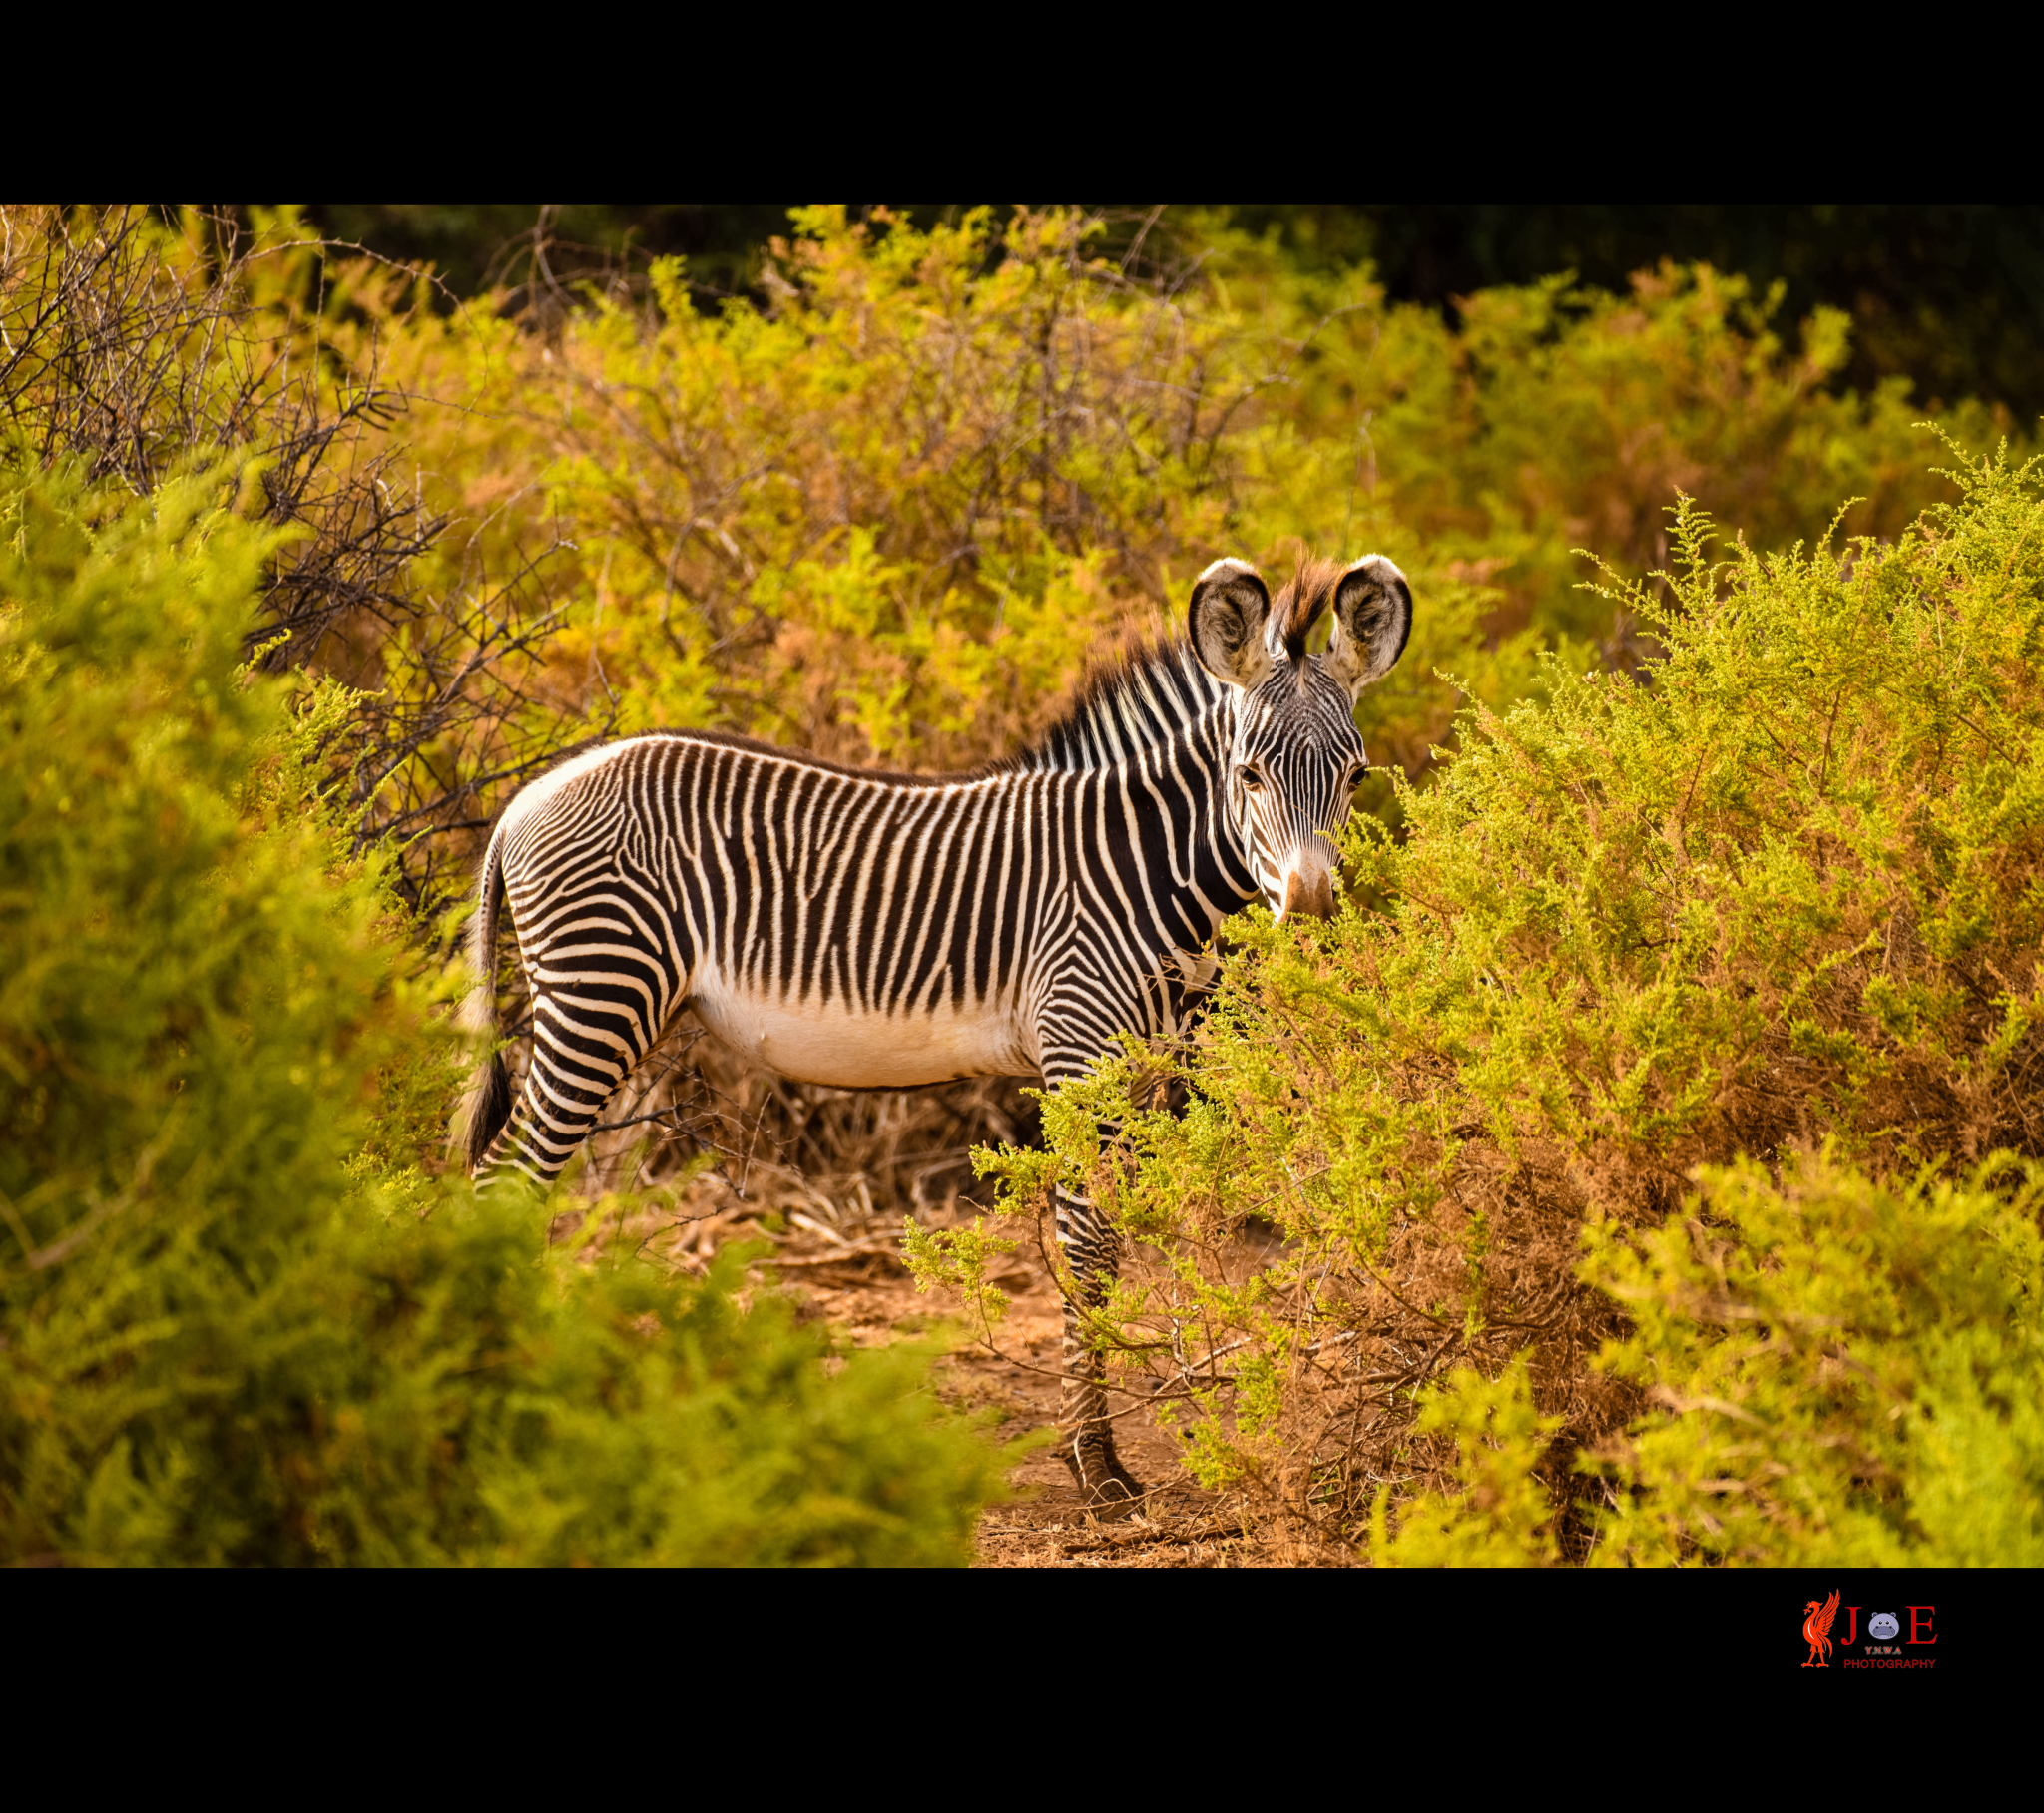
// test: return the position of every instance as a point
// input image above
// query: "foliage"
(1777, 888)
(1948, 295)
(1840, 1371)
(1556, 417)
(234, 1326)
(887, 513)
(886, 517)
(1501, 1515)
(1837, 1372)
(136, 343)
(1786, 892)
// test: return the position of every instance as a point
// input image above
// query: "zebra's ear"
(1372, 618)
(1230, 610)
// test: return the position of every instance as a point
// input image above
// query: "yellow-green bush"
(1789, 892)
(1835, 1372)
(888, 514)
(1501, 1515)
(1839, 1371)
(233, 1326)
(1553, 419)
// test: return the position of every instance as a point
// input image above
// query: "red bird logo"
(1817, 1630)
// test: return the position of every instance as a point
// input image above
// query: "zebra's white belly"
(849, 1050)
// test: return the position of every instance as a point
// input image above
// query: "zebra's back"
(843, 928)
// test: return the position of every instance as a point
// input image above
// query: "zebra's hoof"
(1110, 1490)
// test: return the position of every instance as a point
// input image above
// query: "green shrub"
(1501, 1515)
(1839, 1372)
(1790, 893)
(235, 1327)
(1836, 1373)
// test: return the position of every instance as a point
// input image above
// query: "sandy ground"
(839, 1257)
(873, 1301)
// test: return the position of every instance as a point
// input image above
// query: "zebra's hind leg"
(1094, 1252)
(581, 1053)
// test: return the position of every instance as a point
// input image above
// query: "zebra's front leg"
(1093, 1252)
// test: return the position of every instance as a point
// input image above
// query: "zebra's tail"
(487, 1104)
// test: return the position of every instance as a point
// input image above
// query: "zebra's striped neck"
(1129, 706)
(1156, 728)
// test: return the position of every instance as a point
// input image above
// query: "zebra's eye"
(1356, 775)
(1248, 779)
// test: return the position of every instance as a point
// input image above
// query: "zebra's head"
(1298, 756)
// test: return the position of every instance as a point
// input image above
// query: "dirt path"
(839, 1257)
(871, 1298)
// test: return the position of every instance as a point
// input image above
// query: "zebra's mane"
(1136, 698)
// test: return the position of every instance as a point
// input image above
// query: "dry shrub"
(883, 518)
(138, 346)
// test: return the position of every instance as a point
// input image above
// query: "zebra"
(864, 929)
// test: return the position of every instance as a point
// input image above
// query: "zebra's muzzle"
(1310, 891)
